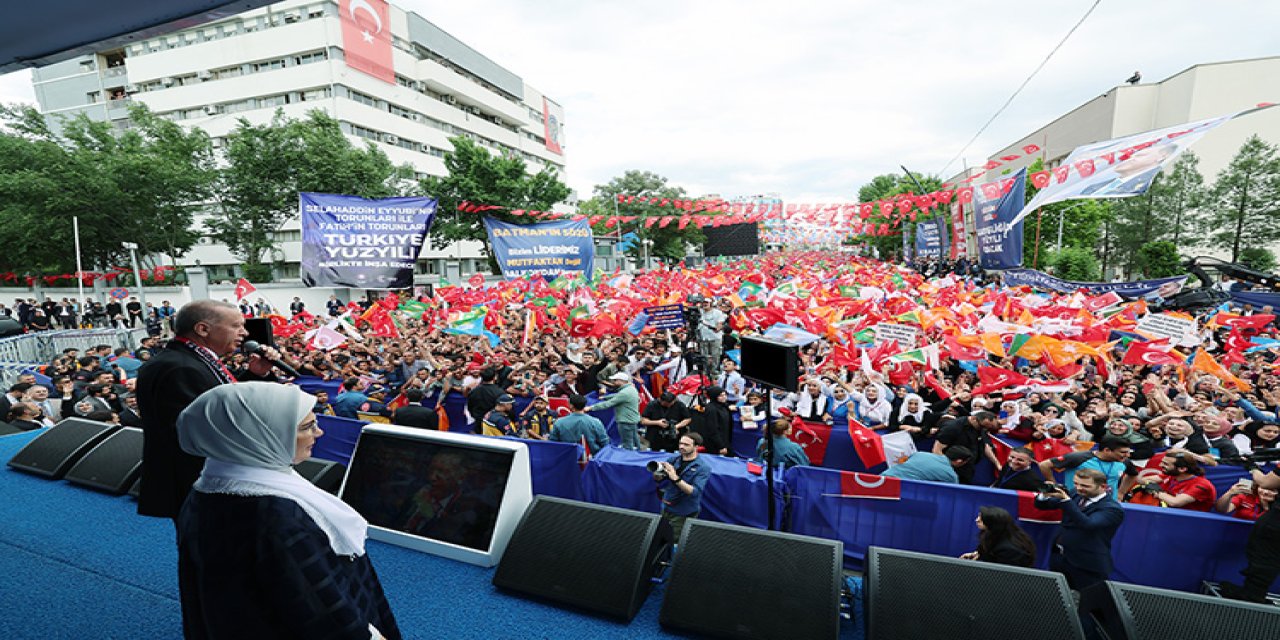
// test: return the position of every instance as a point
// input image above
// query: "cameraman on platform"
(1263, 549)
(681, 480)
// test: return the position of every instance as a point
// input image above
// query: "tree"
(885, 187)
(477, 176)
(670, 242)
(1259, 259)
(137, 185)
(1178, 195)
(268, 165)
(1159, 260)
(1244, 208)
(1074, 263)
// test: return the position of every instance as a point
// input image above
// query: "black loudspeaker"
(738, 582)
(1132, 612)
(912, 595)
(9, 327)
(596, 558)
(325, 474)
(136, 488)
(53, 452)
(732, 240)
(113, 465)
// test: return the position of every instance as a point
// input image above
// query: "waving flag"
(470, 323)
(792, 335)
(244, 289)
(996, 378)
(1154, 352)
(326, 338)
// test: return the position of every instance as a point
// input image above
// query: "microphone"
(252, 347)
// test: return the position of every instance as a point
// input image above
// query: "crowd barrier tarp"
(1168, 548)
(553, 465)
(618, 477)
(1258, 299)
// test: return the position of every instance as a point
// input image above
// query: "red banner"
(366, 37)
(551, 128)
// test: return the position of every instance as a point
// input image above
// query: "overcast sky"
(812, 99)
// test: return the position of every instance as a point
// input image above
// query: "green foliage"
(1244, 206)
(138, 186)
(1082, 223)
(1074, 263)
(1258, 258)
(1159, 260)
(670, 243)
(268, 165)
(475, 175)
(884, 187)
(257, 272)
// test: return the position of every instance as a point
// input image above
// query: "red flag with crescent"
(366, 37)
(868, 485)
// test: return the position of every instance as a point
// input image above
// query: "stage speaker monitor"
(731, 240)
(1132, 612)
(592, 557)
(113, 465)
(325, 474)
(910, 595)
(53, 452)
(771, 362)
(9, 327)
(740, 582)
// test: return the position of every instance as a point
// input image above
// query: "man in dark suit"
(187, 367)
(1090, 519)
(414, 414)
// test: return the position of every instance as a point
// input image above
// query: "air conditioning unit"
(292, 17)
(205, 75)
(131, 88)
(168, 82)
(390, 139)
(448, 99)
(210, 110)
(217, 143)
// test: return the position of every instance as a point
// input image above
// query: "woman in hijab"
(1141, 446)
(717, 423)
(263, 553)
(915, 416)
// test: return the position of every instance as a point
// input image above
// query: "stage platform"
(78, 564)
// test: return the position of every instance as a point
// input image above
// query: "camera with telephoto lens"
(1050, 487)
(655, 467)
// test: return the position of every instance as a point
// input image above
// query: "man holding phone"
(1263, 549)
(1090, 519)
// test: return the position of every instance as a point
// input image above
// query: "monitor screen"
(444, 491)
(771, 363)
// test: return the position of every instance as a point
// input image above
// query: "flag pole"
(75, 227)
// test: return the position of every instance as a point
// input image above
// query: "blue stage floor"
(78, 564)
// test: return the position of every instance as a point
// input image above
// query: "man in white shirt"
(731, 381)
(710, 336)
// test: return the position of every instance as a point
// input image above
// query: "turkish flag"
(1255, 322)
(366, 37)
(867, 444)
(1103, 301)
(559, 406)
(1040, 179)
(814, 437)
(1049, 448)
(994, 378)
(1028, 511)
(867, 485)
(244, 289)
(1154, 352)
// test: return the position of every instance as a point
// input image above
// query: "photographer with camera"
(1263, 549)
(664, 421)
(681, 480)
(1090, 519)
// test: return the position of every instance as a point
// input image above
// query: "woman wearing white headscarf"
(263, 553)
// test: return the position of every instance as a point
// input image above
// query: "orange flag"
(1205, 362)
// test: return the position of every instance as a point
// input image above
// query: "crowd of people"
(1040, 386)
(70, 313)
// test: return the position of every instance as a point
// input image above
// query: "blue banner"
(928, 240)
(1135, 289)
(999, 242)
(944, 234)
(348, 241)
(547, 248)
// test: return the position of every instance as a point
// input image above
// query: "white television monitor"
(451, 494)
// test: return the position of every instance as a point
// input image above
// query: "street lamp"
(137, 274)
(646, 243)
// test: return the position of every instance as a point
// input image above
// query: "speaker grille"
(916, 595)
(588, 556)
(53, 452)
(1158, 614)
(739, 582)
(112, 465)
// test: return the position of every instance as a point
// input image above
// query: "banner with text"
(999, 239)
(928, 239)
(348, 241)
(1164, 287)
(547, 248)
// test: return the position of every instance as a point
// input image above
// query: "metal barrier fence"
(31, 350)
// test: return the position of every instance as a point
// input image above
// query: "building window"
(273, 101)
(308, 58)
(268, 65)
(398, 110)
(290, 270)
(93, 97)
(229, 72)
(363, 99)
(314, 94)
(364, 132)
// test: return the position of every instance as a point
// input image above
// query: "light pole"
(137, 274)
(647, 244)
